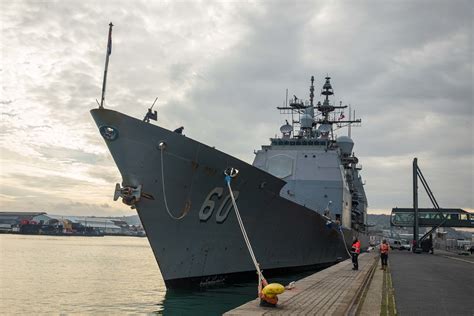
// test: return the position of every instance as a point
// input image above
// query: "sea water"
(100, 275)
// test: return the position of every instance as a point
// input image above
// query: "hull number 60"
(209, 204)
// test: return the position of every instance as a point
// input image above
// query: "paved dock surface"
(373, 298)
(440, 284)
(331, 291)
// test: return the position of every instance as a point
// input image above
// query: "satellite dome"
(346, 144)
(324, 128)
(286, 130)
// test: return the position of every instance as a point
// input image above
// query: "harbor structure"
(49, 224)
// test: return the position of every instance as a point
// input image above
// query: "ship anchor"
(130, 195)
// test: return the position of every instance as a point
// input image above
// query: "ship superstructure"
(320, 170)
(302, 201)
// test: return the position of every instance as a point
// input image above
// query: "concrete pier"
(414, 284)
(336, 290)
(439, 284)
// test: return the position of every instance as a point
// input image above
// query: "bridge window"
(452, 217)
(402, 218)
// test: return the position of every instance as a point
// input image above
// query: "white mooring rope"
(344, 241)
(162, 147)
(244, 232)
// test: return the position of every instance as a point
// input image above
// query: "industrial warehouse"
(41, 223)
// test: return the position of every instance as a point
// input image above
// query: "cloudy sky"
(220, 69)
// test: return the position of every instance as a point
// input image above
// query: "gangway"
(431, 217)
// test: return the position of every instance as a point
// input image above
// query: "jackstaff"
(109, 52)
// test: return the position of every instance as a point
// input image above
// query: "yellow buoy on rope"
(273, 289)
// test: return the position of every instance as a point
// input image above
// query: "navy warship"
(302, 200)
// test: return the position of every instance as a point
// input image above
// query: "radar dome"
(346, 144)
(286, 129)
(324, 128)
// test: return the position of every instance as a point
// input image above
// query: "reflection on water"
(216, 301)
(45, 274)
(207, 302)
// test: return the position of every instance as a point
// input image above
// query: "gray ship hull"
(207, 244)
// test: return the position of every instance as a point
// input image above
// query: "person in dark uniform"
(355, 253)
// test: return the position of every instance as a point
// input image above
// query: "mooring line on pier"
(228, 177)
(344, 241)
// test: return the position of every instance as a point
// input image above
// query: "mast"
(109, 52)
(292, 117)
(311, 126)
(350, 124)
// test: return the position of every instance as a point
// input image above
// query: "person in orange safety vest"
(384, 249)
(355, 253)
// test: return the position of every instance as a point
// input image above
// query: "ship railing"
(297, 142)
